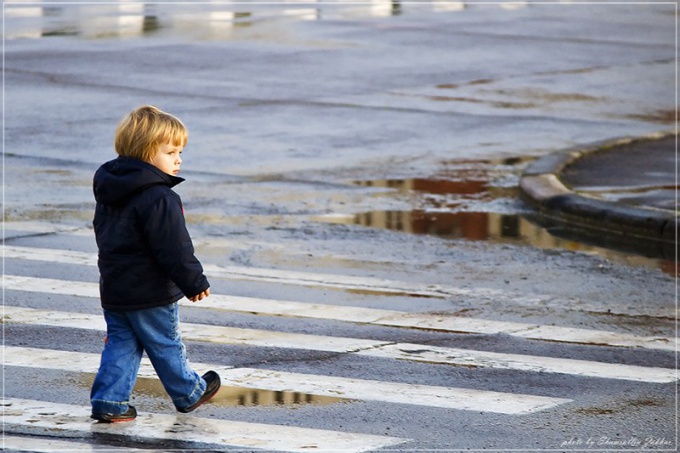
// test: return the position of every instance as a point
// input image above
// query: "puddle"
(480, 226)
(232, 396)
(239, 396)
(228, 396)
(492, 227)
(201, 20)
(463, 202)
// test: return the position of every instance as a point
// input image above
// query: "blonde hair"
(145, 129)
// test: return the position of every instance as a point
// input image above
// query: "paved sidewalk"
(621, 191)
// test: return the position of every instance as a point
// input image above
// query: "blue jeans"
(129, 334)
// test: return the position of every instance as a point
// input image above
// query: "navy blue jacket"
(146, 257)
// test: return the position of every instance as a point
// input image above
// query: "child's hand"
(200, 296)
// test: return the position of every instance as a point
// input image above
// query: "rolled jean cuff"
(186, 401)
(109, 407)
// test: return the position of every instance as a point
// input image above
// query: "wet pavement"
(377, 142)
(316, 108)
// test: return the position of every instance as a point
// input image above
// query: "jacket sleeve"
(170, 245)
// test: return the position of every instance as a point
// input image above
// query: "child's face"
(167, 159)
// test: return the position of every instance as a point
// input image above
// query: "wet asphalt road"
(379, 141)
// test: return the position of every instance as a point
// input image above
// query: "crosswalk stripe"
(199, 332)
(382, 349)
(56, 417)
(521, 362)
(76, 361)
(333, 386)
(374, 316)
(284, 276)
(516, 300)
(38, 445)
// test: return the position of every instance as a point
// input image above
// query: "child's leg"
(158, 330)
(118, 368)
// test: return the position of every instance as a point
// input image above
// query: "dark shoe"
(126, 416)
(212, 381)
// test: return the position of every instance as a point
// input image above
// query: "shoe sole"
(128, 416)
(116, 420)
(201, 403)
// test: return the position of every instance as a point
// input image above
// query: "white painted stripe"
(78, 361)
(388, 350)
(373, 316)
(392, 392)
(54, 418)
(283, 276)
(198, 332)
(207, 245)
(447, 323)
(356, 389)
(534, 332)
(52, 445)
(51, 255)
(49, 286)
(516, 300)
(521, 362)
(343, 282)
(46, 228)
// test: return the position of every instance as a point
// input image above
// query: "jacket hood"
(119, 179)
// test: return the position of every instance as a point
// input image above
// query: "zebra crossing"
(62, 417)
(18, 443)
(351, 314)
(374, 348)
(21, 415)
(355, 389)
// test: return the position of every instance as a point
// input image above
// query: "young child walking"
(146, 265)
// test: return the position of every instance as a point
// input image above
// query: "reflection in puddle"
(448, 210)
(243, 396)
(485, 226)
(217, 20)
(455, 203)
(478, 226)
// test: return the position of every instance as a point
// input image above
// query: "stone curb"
(541, 187)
